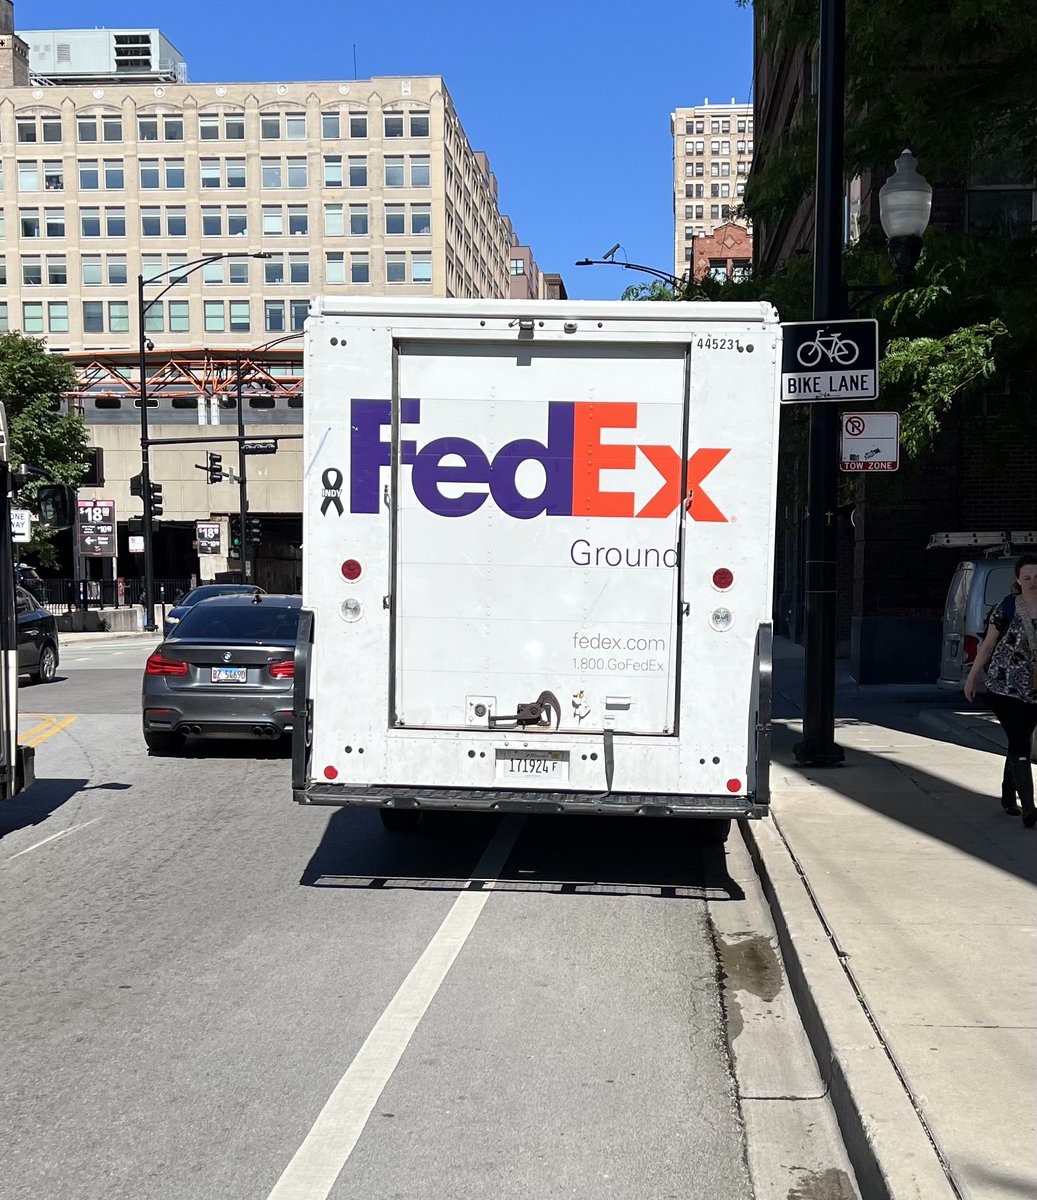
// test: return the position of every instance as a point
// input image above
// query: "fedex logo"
(572, 456)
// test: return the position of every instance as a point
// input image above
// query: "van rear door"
(516, 577)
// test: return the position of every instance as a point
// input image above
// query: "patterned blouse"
(1010, 671)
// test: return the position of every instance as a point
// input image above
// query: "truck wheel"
(47, 667)
(400, 820)
(714, 831)
(161, 743)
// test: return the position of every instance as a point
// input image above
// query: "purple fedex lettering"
(368, 453)
(557, 460)
(430, 471)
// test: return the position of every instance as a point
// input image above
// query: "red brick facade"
(729, 246)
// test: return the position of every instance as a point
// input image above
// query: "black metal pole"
(145, 467)
(242, 478)
(818, 747)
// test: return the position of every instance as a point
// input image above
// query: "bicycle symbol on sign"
(831, 346)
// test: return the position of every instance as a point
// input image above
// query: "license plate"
(229, 674)
(533, 765)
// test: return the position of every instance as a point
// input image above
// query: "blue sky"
(570, 101)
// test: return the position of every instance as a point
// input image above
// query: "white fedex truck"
(538, 546)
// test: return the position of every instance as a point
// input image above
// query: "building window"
(273, 270)
(212, 272)
(333, 170)
(714, 190)
(298, 268)
(420, 219)
(718, 269)
(300, 310)
(208, 127)
(4, 323)
(739, 189)
(330, 125)
(394, 172)
(714, 147)
(215, 317)
(270, 127)
(725, 190)
(297, 173)
(235, 172)
(234, 127)
(237, 220)
(54, 222)
(149, 174)
(741, 125)
(212, 220)
(240, 316)
(115, 222)
(28, 177)
(111, 129)
(725, 168)
(86, 129)
(419, 124)
(179, 316)
(714, 126)
(699, 214)
(725, 211)
(32, 271)
(273, 221)
(357, 172)
(359, 268)
(714, 170)
(93, 316)
(57, 270)
(395, 268)
(700, 169)
(334, 267)
(273, 316)
(394, 125)
(89, 175)
(741, 268)
(518, 267)
(210, 173)
(295, 127)
(3, 270)
(420, 170)
(298, 220)
(173, 128)
(57, 316)
(714, 212)
(358, 125)
(114, 174)
(237, 270)
(175, 176)
(118, 316)
(334, 220)
(270, 172)
(421, 268)
(29, 222)
(358, 226)
(741, 147)
(394, 220)
(147, 129)
(32, 317)
(176, 222)
(117, 270)
(155, 317)
(90, 222)
(25, 129)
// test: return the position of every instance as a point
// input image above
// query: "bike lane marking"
(317, 1163)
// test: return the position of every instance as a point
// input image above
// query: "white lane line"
(53, 837)
(317, 1163)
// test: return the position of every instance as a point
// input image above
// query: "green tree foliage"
(32, 383)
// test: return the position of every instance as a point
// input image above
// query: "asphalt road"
(207, 990)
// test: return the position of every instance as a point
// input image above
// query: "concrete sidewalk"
(906, 903)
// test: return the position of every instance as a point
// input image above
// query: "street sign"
(207, 534)
(136, 544)
(21, 525)
(870, 441)
(829, 360)
(95, 528)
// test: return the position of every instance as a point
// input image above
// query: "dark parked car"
(227, 671)
(37, 638)
(205, 592)
(28, 578)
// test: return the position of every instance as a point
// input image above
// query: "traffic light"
(156, 499)
(254, 529)
(137, 486)
(215, 463)
(234, 549)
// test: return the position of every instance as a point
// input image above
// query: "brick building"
(726, 253)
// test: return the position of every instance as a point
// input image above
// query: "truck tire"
(713, 831)
(164, 744)
(400, 820)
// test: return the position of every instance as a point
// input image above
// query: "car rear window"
(192, 598)
(240, 622)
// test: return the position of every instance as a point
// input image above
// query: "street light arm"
(672, 280)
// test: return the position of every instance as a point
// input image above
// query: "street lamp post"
(665, 276)
(147, 526)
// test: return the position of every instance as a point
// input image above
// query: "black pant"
(1018, 720)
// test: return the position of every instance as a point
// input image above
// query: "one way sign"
(829, 360)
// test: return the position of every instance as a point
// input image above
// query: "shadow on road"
(564, 855)
(45, 796)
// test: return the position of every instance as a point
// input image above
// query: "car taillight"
(969, 648)
(283, 670)
(157, 664)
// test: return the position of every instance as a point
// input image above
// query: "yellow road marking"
(48, 733)
(38, 728)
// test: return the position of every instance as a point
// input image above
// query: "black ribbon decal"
(332, 491)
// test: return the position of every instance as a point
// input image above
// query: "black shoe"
(1008, 802)
(1010, 808)
(1030, 822)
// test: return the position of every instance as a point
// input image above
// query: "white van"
(539, 545)
(977, 585)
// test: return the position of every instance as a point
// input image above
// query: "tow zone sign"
(870, 441)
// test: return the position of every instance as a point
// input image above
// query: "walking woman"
(1010, 649)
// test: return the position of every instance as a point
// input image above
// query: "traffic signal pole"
(246, 571)
(145, 469)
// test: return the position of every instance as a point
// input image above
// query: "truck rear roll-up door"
(536, 502)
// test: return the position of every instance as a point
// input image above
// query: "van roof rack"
(991, 543)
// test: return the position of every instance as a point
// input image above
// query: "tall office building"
(712, 153)
(112, 166)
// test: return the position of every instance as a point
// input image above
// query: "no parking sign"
(870, 441)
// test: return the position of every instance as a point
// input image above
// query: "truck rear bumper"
(515, 800)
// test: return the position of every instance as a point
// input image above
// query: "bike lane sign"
(829, 360)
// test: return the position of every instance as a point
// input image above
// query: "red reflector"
(282, 670)
(351, 569)
(163, 711)
(331, 773)
(971, 645)
(734, 785)
(723, 578)
(158, 665)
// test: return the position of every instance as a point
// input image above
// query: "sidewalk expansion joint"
(858, 992)
(784, 1099)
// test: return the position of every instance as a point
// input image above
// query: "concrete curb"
(105, 636)
(892, 1155)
